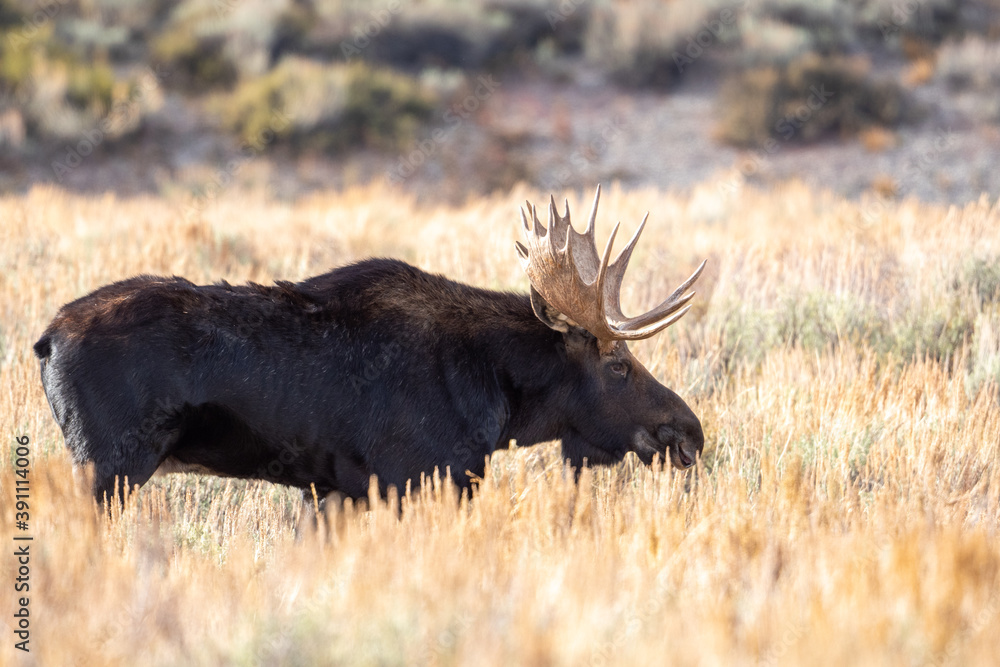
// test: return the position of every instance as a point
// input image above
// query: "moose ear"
(549, 316)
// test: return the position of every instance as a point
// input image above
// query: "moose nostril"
(687, 434)
(684, 441)
(683, 456)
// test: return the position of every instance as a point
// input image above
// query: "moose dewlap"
(376, 368)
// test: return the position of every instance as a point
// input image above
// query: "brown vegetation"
(806, 99)
(844, 361)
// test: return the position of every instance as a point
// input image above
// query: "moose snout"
(684, 440)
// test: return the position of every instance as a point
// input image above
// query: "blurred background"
(447, 100)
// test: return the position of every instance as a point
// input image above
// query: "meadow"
(843, 356)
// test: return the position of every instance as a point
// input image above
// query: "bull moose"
(376, 368)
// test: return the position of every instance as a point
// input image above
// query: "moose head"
(617, 405)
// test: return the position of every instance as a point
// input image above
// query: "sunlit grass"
(845, 511)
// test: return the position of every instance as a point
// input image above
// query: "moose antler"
(564, 268)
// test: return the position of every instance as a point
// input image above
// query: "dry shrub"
(973, 63)
(971, 70)
(470, 37)
(327, 107)
(805, 100)
(827, 22)
(652, 44)
(211, 44)
(913, 27)
(197, 62)
(57, 95)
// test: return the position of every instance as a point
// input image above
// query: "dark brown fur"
(377, 368)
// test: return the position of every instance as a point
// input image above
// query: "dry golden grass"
(844, 361)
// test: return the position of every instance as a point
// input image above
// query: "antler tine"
(565, 269)
(690, 281)
(669, 305)
(558, 227)
(582, 248)
(602, 273)
(593, 214)
(539, 230)
(616, 272)
(626, 254)
(657, 327)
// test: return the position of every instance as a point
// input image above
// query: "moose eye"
(618, 368)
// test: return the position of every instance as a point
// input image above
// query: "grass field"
(844, 359)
